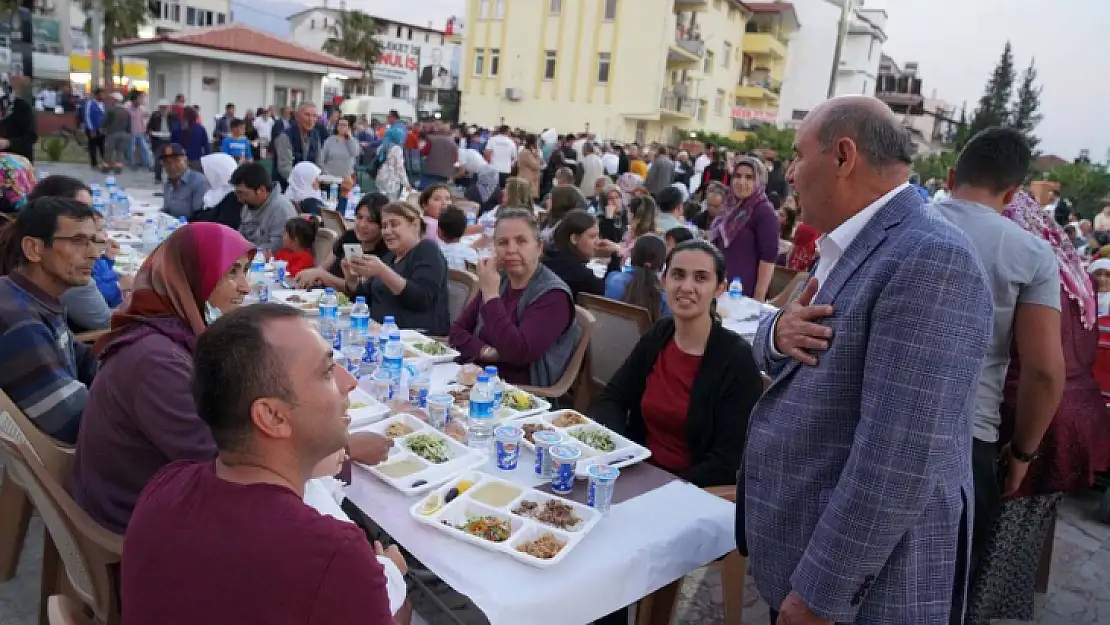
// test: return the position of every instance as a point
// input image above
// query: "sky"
(957, 44)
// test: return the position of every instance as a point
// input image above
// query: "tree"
(1085, 185)
(355, 37)
(122, 20)
(1027, 104)
(963, 130)
(934, 166)
(994, 106)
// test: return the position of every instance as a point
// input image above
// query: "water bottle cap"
(390, 319)
(150, 221)
(181, 220)
(483, 378)
(329, 291)
(360, 300)
(491, 370)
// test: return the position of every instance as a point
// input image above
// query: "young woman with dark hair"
(573, 244)
(641, 286)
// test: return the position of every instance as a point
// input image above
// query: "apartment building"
(417, 74)
(766, 43)
(930, 121)
(599, 66)
(812, 48)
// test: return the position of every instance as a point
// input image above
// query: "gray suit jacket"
(857, 474)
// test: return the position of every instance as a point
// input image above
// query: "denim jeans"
(140, 143)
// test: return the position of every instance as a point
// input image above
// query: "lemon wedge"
(432, 504)
(464, 485)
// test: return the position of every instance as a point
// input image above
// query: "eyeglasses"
(84, 241)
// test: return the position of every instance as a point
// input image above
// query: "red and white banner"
(754, 114)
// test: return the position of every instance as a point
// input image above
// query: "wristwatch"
(1021, 456)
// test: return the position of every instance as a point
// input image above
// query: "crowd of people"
(900, 433)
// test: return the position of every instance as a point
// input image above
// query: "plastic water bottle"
(360, 319)
(333, 192)
(479, 431)
(389, 326)
(99, 204)
(496, 386)
(329, 315)
(393, 357)
(735, 295)
(110, 184)
(353, 198)
(260, 290)
(471, 217)
(369, 362)
(150, 236)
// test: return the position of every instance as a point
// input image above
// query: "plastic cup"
(564, 460)
(439, 410)
(545, 440)
(602, 478)
(381, 386)
(353, 352)
(418, 391)
(506, 446)
(280, 266)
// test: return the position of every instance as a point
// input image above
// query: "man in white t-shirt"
(611, 161)
(501, 153)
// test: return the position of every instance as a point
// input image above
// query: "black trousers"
(988, 496)
(96, 144)
(156, 146)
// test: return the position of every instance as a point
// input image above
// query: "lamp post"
(841, 35)
(96, 28)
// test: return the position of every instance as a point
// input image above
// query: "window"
(708, 69)
(864, 92)
(401, 92)
(726, 55)
(798, 115)
(325, 23)
(610, 9)
(479, 61)
(556, 7)
(399, 32)
(428, 96)
(603, 61)
(410, 34)
(483, 9)
(312, 24)
(221, 18)
(498, 9)
(719, 102)
(441, 40)
(427, 38)
(191, 16)
(494, 61)
(549, 65)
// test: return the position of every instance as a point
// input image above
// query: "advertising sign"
(753, 114)
(399, 62)
(438, 67)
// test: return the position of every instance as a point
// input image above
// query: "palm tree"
(355, 37)
(122, 20)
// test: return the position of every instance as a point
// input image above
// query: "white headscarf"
(217, 168)
(300, 182)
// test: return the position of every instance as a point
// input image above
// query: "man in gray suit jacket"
(857, 478)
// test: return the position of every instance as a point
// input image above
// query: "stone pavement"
(1078, 594)
(128, 179)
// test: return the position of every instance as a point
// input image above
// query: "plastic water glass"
(280, 267)
(602, 479)
(439, 410)
(418, 391)
(506, 446)
(381, 385)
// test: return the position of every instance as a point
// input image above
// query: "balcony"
(691, 5)
(759, 86)
(672, 105)
(687, 47)
(764, 44)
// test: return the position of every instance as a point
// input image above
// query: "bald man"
(858, 484)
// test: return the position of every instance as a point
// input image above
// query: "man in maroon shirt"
(231, 541)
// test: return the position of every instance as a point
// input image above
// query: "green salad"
(598, 439)
(428, 447)
(431, 348)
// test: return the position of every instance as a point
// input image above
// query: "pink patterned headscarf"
(1027, 213)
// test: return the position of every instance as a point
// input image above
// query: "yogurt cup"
(602, 478)
(544, 440)
(506, 446)
(564, 460)
(418, 391)
(439, 410)
(280, 266)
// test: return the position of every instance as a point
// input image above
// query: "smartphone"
(352, 251)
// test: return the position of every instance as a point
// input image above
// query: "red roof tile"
(244, 40)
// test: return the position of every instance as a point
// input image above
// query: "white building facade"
(416, 74)
(813, 47)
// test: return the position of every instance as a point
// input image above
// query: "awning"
(135, 70)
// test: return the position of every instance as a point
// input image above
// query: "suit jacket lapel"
(868, 240)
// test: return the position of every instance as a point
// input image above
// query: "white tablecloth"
(748, 323)
(642, 545)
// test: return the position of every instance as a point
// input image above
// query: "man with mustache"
(52, 246)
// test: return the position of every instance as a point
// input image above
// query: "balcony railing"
(689, 39)
(670, 101)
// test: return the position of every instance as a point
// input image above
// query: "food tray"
(462, 458)
(364, 409)
(311, 306)
(523, 528)
(411, 351)
(539, 404)
(626, 453)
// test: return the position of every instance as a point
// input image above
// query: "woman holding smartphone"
(364, 238)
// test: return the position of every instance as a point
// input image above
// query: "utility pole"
(841, 35)
(96, 26)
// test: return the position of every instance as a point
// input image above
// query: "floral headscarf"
(17, 179)
(1027, 213)
(727, 226)
(628, 182)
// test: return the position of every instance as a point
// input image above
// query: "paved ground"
(128, 179)
(1079, 591)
